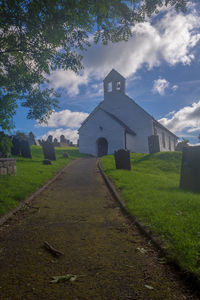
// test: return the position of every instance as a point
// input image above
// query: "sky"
(161, 64)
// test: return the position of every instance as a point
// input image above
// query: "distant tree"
(182, 144)
(199, 137)
(38, 36)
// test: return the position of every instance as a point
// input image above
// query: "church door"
(102, 147)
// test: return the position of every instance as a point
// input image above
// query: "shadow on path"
(79, 217)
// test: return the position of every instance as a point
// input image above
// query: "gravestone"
(25, 149)
(48, 150)
(46, 162)
(122, 159)
(50, 139)
(16, 148)
(56, 143)
(63, 139)
(190, 169)
(65, 155)
(154, 145)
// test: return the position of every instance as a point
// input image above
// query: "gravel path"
(78, 216)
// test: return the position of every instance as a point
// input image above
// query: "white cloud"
(69, 134)
(68, 80)
(160, 85)
(65, 118)
(187, 118)
(171, 38)
(174, 87)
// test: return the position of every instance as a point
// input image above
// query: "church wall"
(167, 141)
(133, 116)
(100, 125)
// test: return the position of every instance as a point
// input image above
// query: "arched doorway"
(102, 147)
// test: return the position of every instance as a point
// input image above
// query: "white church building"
(120, 123)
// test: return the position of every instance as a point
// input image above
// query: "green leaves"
(37, 37)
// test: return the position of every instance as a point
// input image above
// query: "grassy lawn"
(151, 193)
(31, 174)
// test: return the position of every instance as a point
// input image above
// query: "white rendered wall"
(165, 147)
(133, 116)
(101, 125)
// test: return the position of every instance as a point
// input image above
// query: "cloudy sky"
(161, 63)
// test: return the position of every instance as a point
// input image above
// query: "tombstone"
(190, 169)
(48, 150)
(50, 139)
(31, 139)
(16, 148)
(154, 145)
(46, 162)
(63, 139)
(122, 159)
(25, 149)
(65, 155)
(55, 143)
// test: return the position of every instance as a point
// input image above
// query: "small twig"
(52, 249)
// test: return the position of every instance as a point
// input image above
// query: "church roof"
(113, 72)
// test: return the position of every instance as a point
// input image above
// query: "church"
(118, 122)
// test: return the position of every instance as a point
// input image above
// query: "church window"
(163, 139)
(169, 143)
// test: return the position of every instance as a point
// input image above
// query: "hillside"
(151, 193)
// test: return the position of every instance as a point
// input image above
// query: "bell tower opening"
(114, 83)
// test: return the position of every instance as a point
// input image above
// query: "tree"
(38, 36)
(182, 144)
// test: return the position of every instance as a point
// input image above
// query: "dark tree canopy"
(38, 36)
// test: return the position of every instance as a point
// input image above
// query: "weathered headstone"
(65, 155)
(50, 139)
(25, 149)
(48, 150)
(56, 143)
(31, 139)
(63, 139)
(190, 169)
(122, 159)
(16, 148)
(46, 162)
(154, 145)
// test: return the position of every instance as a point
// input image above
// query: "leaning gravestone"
(16, 148)
(48, 150)
(190, 169)
(25, 148)
(154, 145)
(122, 159)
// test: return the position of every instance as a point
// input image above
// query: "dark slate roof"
(128, 129)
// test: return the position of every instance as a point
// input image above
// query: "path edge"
(7, 216)
(187, 276)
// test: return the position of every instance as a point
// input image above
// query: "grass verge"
(31, 175)
(151, 192)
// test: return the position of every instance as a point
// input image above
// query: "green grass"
(31, 175)
(151, 192)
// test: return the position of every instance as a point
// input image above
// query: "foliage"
(5, 145)
(151, 193)
(39, 36)
(182, 144)
(16, 188)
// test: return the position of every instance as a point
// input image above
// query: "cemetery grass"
(31, 175)
(151, 193)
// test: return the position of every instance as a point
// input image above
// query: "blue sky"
(161, 63)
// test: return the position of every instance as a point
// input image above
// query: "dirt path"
(79, 217)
